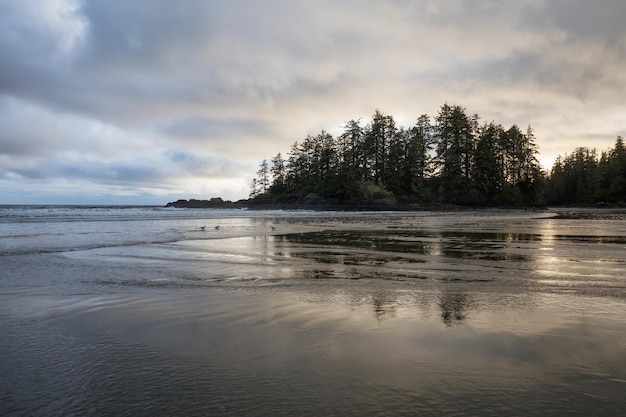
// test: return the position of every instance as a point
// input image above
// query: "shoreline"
(319, 204)
(599, 211)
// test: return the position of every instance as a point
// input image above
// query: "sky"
(149, 101)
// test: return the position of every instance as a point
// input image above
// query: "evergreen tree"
(263, 177)
(602, 178)
(254, 188)
(556, 189)
(325, 164)
(295, 170)
(454, 136)
(531, 182)
(452, 161)
(409, 160)
(488, 172)
(381, 131)
(574, 178)
(351, 148)
(278, 174)
(617, 172)
(352, 161)
(394, 178)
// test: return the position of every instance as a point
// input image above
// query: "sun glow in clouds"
(234, 83)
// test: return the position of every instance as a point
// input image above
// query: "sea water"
(131, 311)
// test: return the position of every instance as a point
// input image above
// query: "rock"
(215, 202)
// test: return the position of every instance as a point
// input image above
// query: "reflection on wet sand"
(453, 262)
(453, 307)
(334, 316)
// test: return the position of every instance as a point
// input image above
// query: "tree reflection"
(453, 308)
(384, 304)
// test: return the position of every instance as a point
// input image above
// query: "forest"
(584, 177)
(450, 158)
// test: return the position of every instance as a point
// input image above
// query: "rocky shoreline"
(309, 202)
(314, 202)
(212, 203)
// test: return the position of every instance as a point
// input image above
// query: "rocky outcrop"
(216, 202)
(308, 202)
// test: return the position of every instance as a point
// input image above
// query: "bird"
(217, 227)
(272, 227)
(202, 227)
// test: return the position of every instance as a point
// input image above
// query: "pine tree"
(263, 177)
(454, 136)
(617, 165)
(254, 188)
(488, 174)
(452, 161)
(278, 174)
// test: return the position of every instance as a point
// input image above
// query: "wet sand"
(484, 314)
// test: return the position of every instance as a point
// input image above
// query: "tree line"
(450, 158)
(584, 177)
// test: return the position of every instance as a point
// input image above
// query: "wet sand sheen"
(329, 317)
(374, 351)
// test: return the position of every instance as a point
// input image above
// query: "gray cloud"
(601, 21)
(192, 92)
(203, 127)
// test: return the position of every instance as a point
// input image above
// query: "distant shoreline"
(301, 204)
(312, 202)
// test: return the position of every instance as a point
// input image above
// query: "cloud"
(199, 127)
(160, 91)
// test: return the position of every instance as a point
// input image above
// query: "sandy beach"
(473, 313)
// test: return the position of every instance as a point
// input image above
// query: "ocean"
(143, 311)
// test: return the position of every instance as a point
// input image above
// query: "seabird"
(217, 227)
(202, 227)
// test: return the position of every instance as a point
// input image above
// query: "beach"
(147, 311)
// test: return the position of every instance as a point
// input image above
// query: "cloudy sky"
(147, 101)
